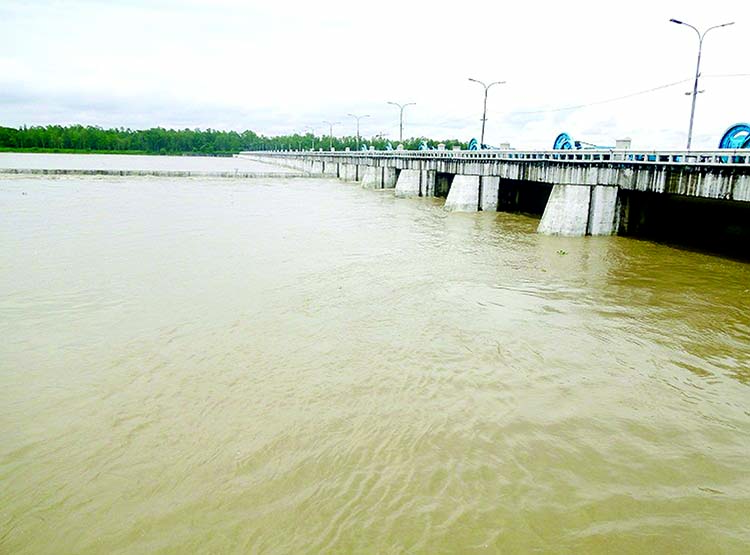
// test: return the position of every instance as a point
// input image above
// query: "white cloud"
(278, 67)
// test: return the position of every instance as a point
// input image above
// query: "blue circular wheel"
(563, 142)
(737, 136)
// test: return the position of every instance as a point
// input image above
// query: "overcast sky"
(279, 66)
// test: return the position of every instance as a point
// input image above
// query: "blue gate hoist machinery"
(565, 142)
(737, 136)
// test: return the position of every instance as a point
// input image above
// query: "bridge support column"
(348, 172)
(316, 166)
(389, 178)
(603, 212)
(488, 193)
(372, 178)
(464, 194)
(427, 185)
(408, 184)
(567, 211)
(577, 210)
(330, 169)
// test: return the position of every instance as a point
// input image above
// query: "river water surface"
(304, 366)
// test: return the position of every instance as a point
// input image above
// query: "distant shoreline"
(37, 150)
(147, 173)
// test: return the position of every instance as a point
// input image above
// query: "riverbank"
(38, 150)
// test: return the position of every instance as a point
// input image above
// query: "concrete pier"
(330, 169)
(469, 193)
(408, 184)
(464, 194)
(349, 172)
(567, 211)
(488, 193)
(578, 192)
(373, 177)
(415, 183)
(604, 213)
(427, 184)
(576, 210)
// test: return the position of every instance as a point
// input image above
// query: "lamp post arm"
(401, 117)
(715, 27)
(356, 117)
(697, 32)
(478, 81)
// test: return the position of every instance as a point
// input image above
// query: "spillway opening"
(710, 225)
(443, 184)
(525, 197)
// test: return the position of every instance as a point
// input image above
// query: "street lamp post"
(358, 118)
(697, 69)
(311, 130)
(484, 112)
(401, 118)
(330, 132)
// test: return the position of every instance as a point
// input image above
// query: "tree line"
(157, 140)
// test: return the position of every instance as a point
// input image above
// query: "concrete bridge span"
(586, 192)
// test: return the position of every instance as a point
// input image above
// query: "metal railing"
(740, 157)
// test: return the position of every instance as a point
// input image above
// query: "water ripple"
(305, 366)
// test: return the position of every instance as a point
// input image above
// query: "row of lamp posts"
(694, 94)
(487, 87)
(359, 117)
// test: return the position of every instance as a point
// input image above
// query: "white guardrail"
(680, 157)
